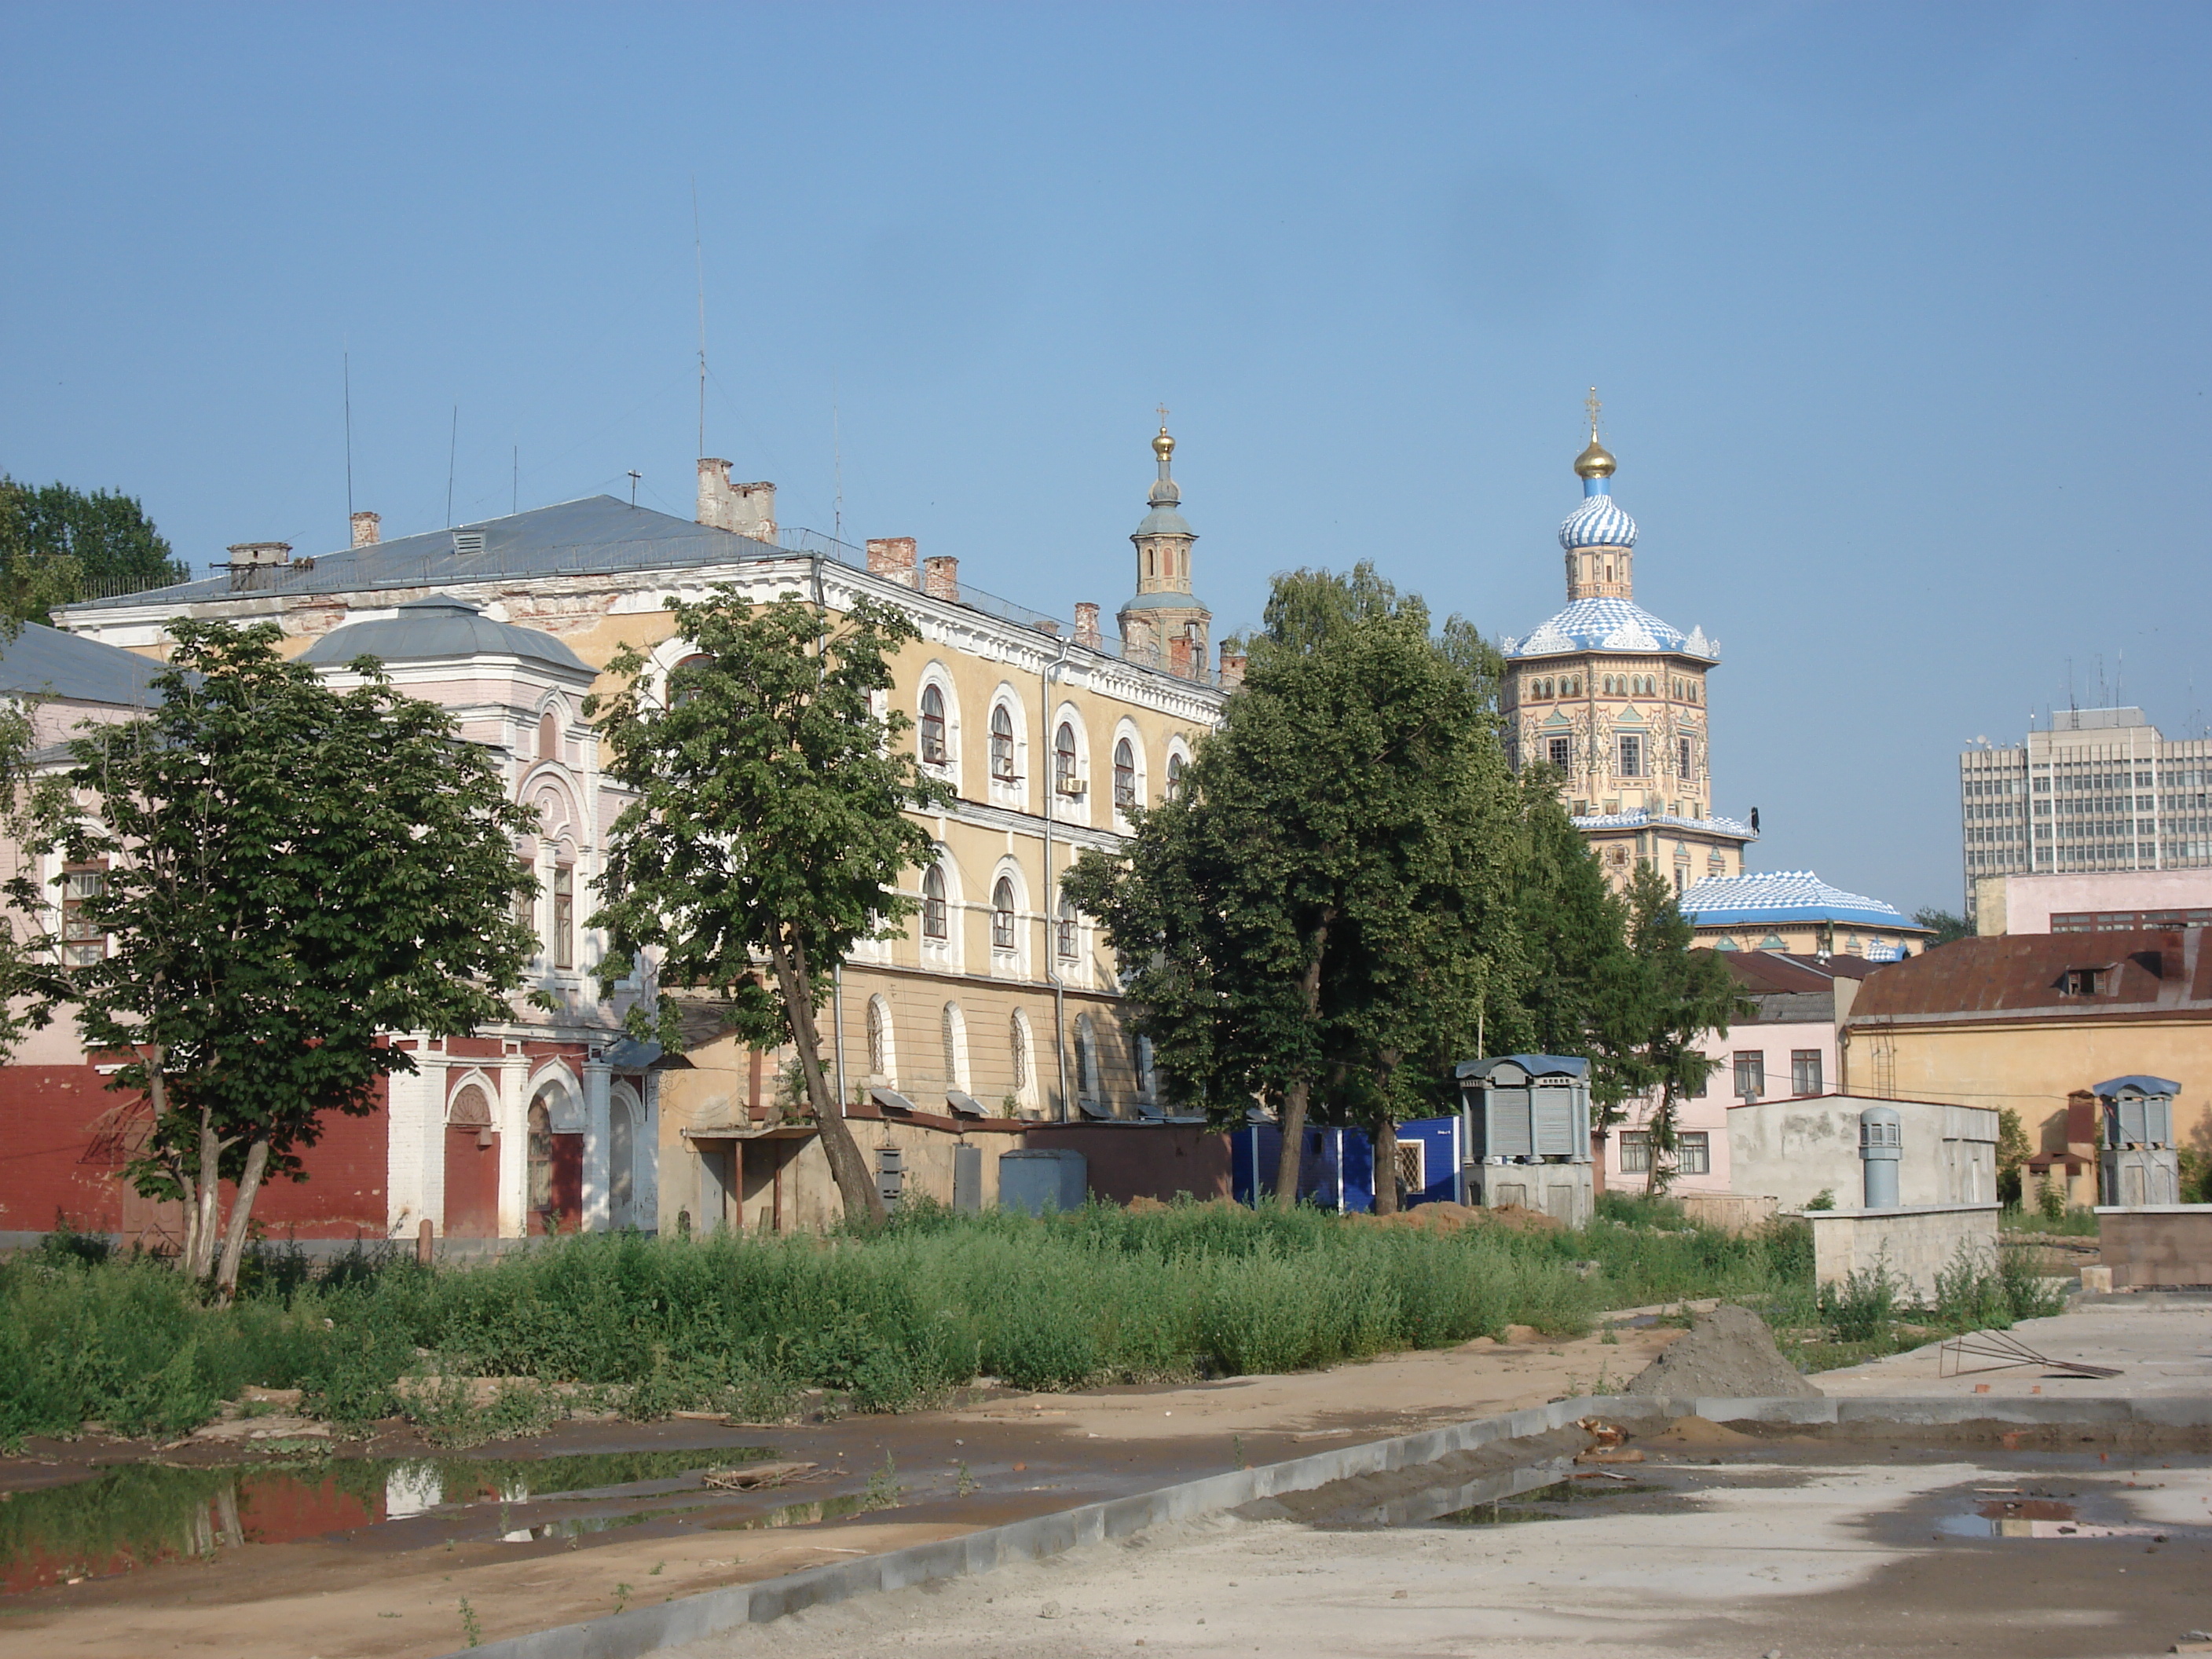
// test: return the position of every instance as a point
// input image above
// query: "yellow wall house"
(2026, 1020)
(998, 1007)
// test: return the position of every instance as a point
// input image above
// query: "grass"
(880, 1321)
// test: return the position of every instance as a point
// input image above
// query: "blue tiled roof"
(1783, 895)
(1611, 624)
(1735, 829)
(1598, 522)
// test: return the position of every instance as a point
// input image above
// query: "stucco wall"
(1912, 1243)
(2031, 1067)
(2164, 1244)
(1795, 1150)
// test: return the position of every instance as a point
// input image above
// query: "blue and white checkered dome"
(1598, 522)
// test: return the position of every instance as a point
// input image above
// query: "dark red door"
(471, 1182)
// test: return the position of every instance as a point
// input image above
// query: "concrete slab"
(2163, 1347)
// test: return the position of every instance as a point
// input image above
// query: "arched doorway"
(625, 1127)
(556, 1189)
(471, 1166)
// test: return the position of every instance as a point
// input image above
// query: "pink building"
(1786, 1051)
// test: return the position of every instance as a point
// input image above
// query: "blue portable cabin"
(1338, 1170)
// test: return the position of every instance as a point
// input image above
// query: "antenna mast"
(699, 260)
(345, 357)
(453, 441)
(837, 466)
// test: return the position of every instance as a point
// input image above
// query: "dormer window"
(2085, 982)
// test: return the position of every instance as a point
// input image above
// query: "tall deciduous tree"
(292, 873)
(1574, 936)
(769, 830)
(1318, 916)
(59, 544)
(1657, 1001)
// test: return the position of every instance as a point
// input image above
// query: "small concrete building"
(1798, 1150)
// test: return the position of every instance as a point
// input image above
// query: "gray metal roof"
(45, 661)
(436, 629)
(595, 534)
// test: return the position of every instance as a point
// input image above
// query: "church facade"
(1615, 702)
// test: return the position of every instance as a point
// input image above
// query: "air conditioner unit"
(1071, 786)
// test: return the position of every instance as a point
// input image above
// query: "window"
(1017, 1046)
(1175, 777)
(548, 737)
(2084, 982)
(1086, 1058)
(1063, 761)
(1750, 1074)
(1002, 744)
(1561, 752)
(1635, 1151)
(1804, 1071)
(879, 1038)
(1146, 1080)
(564, 916)
(1124, 776)
(1693, 1153)
(932, 726)
(1002, 914)
(526, 911)
(1686, 758)
(1632, 755)
(954, 1027)
(933, 904)
(82, 942)
(1067, 930)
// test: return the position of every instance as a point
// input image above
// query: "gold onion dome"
(1164, 446)
(1595, 462)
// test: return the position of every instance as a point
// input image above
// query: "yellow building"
(1614, 701)
(1000, 1004)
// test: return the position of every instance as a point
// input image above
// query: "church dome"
(435, 629)
(1598, 522)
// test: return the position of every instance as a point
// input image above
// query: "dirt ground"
(391, 1592)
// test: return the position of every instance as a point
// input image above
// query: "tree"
(1950, 928)
(1573, 930)
(769, 830)
(291, 874)
(1659, 999)
(59, 544)
(1319, 916)
(2012, 1152)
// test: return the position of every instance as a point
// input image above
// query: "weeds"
(471, 1629)
(883, 1491)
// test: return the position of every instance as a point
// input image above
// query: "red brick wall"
(60, 1155)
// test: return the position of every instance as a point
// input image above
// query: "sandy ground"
(1808, 1561)
(353, 1598)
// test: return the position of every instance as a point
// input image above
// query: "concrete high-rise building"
(2100, 789)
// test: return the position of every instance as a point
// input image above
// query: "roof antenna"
(453, 440)
(515, 501)
(345, 357)
(699, 260)
(837, 465)
(635, 475)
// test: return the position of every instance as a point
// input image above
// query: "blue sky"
(1898, 310)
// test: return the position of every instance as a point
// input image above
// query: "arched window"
(932, 726)
(1002, 914)
(1124, 776)
(1066, 931)
(1063, 759)
(564, 915)
(1147, 1083)
(933, 925)
(1002, 744)
(681, 693)
(1086, 1058)
(548, 737)
(879, 1038)
(1018, 1048)
(1175, 777)
(954, 1026)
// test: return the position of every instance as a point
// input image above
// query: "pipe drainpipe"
(1052, 899)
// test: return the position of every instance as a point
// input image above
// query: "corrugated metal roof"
(2025, 975)
(44, 661)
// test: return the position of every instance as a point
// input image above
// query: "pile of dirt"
(1446, 1216)
(1728, 1354)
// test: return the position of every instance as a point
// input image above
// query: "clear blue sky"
(1898, 311)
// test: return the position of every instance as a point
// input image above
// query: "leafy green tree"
(292, 873)
(1574, 936)
(58, 544)
(2012, 1152)
(1319, 917)
(770, 826)
(1656, 1003)
(1949, 927)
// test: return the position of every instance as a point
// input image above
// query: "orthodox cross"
(1163, 417)
(1592, 405)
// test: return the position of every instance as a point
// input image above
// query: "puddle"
(1546, 1503)
(146, 1513)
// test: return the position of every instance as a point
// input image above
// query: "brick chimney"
(368, 529)
(1086, 624)
(257, 564)
(893, 556)
(1232, 668)
(1179, 655)
(746, 509)
(940, 578)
